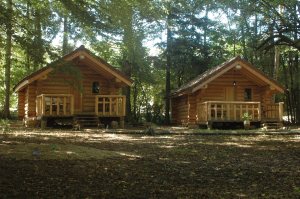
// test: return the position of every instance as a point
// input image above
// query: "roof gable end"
(208, 76)
(80, 53)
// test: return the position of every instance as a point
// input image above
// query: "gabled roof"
(203, 79)
(81, 52)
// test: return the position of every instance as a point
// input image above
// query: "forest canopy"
(160, 44)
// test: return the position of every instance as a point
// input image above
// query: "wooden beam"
(110, 105)
(280, 111)
(72, 104)
(57, 105)
(124, 105)
(64, 105)
(103, 105)
(117, 106)
(259, 111)
(50, 105)
(20, 86)
(96, 105)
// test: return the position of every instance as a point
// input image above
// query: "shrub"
(4, 124)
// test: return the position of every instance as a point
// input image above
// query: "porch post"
(122, 123)
(124, 106)
(209, 111)
(96, 104)
(280, 114)
(72, 104)
(259, 111)
(43, 105)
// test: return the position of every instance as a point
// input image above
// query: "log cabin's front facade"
(91, 87)
(224, 93)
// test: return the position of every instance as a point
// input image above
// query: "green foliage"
(202, 34)
(150, 131)
(297, 190)
(5, 126)
(246, 116)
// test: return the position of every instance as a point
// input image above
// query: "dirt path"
(139, 166)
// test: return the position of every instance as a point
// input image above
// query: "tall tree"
(8, 52)
(168, 66)
(285, 32)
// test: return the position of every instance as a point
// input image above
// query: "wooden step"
(86, 120)
(272, 125)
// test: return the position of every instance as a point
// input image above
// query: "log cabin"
(223, 94)
(79, 86)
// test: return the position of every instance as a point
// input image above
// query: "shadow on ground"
(111, 165)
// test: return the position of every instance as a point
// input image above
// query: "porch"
(62, 105)
(233, 111)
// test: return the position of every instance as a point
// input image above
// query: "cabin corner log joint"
(49, 93)
(224, 93)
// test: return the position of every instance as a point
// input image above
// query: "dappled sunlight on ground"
(46, 151)
(230, 144)
(159, 166)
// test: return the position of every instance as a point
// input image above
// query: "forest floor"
(93, 164)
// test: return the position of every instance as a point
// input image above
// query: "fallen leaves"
(194, 167)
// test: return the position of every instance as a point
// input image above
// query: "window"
(248, 94)
(95, 87)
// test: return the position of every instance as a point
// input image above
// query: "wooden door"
(229, 94)
(77, 101)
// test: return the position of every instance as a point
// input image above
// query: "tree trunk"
(9, 33)
(128, 56)
(287, 96)
(291, 75)
(65, 36)
(297, 89)
(28, 6)
(276, 62)
(255, 35)
(297, 70)
(205, 29)
(126, 67)
(244, 42)
(168, 72)
(38, 42)
(135, 95)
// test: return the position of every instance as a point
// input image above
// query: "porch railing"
(273, 112)
(233, 111)
(227, 111)
(55, 105)
(110, 105)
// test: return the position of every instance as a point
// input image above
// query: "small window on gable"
(95, 87)
(248, 94)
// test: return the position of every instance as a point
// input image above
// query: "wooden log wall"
(30, 100)
(180, 110)
(56, 83)
(216, 91)
(21, 104)
(107, 87)
(192, 106)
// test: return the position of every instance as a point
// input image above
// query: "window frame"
(248, 94)
(95, 87)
